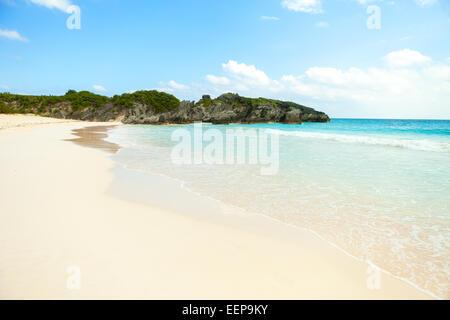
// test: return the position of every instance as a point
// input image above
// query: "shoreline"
(127, 249)
(181, 184)
(379, 264)
(94, 137)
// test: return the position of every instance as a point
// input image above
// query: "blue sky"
(320, 53)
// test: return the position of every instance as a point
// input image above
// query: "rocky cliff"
(152, 107)
(227, 108)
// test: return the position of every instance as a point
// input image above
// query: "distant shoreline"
(153, 107)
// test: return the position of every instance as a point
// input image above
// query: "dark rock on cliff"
(227, 108)
(153, 107)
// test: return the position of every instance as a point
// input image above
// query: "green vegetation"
(250, 103)
(243, 102)
(159, 101)
(4, 108)
(40, 104)
(206, 102)
(25, 103)
(235, 100)
(83, 99)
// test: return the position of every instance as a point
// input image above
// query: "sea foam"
(422, 144)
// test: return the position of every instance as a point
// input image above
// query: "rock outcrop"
(227, 108)
(152, 107)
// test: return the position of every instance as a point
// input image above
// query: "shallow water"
(379, 189)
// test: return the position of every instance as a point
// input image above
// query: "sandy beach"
(65, 207)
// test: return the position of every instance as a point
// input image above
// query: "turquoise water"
(378, 189)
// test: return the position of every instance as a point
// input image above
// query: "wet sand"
(94, 137)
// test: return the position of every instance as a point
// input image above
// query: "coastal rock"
(227, 108)
(293, 116)
(153, 107)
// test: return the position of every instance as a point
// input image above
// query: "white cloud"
(98, 87)
(246, 73)
(416, 90)
(270, 18)
(354, 84)
(218, 80)
(315, 6)
(334, 76)
(440, 72)
(12, 35)
(177, 86)
(308, 6)
(171, 86)
(406, 58)
(242, 77)
(421, 93)
(62, 5)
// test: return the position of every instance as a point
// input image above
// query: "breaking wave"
(413, 144)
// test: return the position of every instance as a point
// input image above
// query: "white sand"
(55, 213)
(26, 121)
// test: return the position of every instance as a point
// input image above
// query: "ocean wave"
(422, 144)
